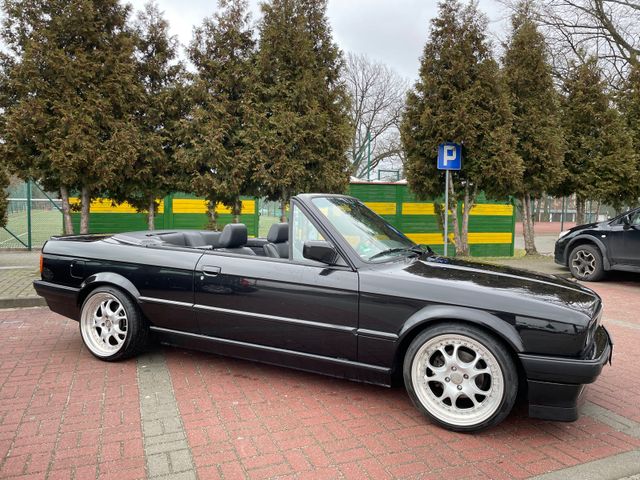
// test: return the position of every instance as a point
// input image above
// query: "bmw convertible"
(339, 291)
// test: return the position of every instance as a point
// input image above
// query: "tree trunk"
(469, 202)
(580, 204)
(151, 214)
(527, 226)
(454, 224)
(237, 210)
(85, 208)
(283, 210)
(213, 216)
(66, 211)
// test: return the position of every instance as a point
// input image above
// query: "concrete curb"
(22, 302)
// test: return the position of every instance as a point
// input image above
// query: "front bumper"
(559, 253)
(556, 385)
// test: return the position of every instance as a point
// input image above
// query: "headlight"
(562, 234)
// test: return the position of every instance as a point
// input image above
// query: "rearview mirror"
(320, 251)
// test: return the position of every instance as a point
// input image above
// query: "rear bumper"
(557, 385)
(60, 298)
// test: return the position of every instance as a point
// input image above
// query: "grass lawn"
(44, 223)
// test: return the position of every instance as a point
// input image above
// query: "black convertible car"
(339, 291)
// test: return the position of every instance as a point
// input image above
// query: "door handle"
(210, 270)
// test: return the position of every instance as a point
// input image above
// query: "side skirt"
(333, 367)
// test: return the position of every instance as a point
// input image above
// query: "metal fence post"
(29, 215)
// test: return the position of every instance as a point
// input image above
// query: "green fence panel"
(491, 223)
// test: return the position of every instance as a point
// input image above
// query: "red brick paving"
(618, 389)
(64, 414)
(247, 419)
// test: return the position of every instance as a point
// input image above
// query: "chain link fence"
(33, 216)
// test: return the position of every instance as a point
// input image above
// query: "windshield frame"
(346, 247)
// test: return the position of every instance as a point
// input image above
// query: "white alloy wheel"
(458, 379)
(104, 324)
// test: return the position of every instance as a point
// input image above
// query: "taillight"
(41, 262)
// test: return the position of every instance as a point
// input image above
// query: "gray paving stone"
(152, 428)
(158, 465)
(165, 438)
(165, 444)
(190, 475)
(172, 425)
(180, 461)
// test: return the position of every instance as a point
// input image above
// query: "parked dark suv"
(591, 250)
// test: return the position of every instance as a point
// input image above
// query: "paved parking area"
(181, 414)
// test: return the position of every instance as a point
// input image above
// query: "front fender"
(591, 239)
(107, 278)
(433, 313)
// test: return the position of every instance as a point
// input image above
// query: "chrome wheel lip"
(451, 414)
(583, 263)
(104, 324)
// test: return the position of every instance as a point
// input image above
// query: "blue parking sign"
(449, 156)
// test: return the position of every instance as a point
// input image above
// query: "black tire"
(585, 263)
(101, 307)
(500, 381)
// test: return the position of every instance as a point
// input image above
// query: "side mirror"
(626, 221)
(320, 251)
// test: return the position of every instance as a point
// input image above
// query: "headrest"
(278, 233)
(233, 235)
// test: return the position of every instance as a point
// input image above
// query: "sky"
(388, 31)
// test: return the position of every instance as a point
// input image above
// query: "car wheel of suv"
(460, 377)
(111, 325)
(585, 263)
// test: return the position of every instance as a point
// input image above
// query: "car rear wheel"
(111, 325)
(585, 263)
(460, 377)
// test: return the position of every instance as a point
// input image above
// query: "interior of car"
(233, 239)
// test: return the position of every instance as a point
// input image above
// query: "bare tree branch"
(607, 29)
(377, 94)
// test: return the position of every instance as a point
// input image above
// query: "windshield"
(370, 235)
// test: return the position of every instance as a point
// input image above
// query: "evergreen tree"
(71, 88)
(629, 103)
(600, 160)
(460, 97)
(219, 149)
(304, 128)
(535, 107)
(4, 183)
(155, 173)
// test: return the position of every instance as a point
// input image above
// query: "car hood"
(497, 288)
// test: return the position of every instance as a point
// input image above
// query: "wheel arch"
(107, 279)
(589, 240)
(435, 315)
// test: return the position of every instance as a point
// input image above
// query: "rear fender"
(107, 278)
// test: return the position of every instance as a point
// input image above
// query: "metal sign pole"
(446, 210)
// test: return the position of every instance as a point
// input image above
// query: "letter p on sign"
(449, 156)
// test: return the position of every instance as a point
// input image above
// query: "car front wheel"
(111, 325)
(460, 377)
(585, 263)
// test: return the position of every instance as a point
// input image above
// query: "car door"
(291, 304)
(624, 241)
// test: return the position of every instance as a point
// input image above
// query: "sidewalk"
(18, 270)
